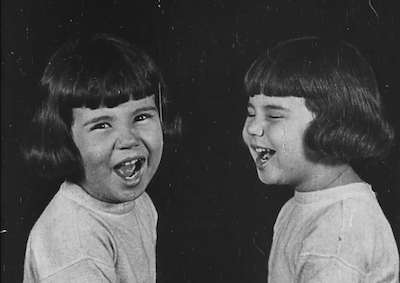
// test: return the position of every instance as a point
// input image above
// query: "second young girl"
(313, 111)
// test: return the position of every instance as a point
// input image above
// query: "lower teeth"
(264, 158)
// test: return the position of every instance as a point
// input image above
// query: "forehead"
(286, 103)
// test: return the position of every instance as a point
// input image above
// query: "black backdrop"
(215, 217)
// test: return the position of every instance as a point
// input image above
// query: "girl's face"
(274, 131)
(121, 148)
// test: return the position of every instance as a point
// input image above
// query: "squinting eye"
(100, 126)
(142, 117)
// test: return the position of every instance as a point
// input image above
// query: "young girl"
(314, 109)
(100, 129)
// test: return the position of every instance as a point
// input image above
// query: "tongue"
(129, 170)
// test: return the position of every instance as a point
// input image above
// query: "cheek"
(155, 148)
(292, 140)
(245, 135)
(154, 140)
(92, 158)
(92, 154)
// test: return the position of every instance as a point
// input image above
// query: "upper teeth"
(126, 163)
(260, 150)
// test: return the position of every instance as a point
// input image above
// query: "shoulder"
(352, 208)
(365, 230)
(67, 223)
(67, 233)
(354, 230)
(57, 214)
(358, 217)
(363, 217)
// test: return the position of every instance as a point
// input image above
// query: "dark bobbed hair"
(100, 71)
(339, 88)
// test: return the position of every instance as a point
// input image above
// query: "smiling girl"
(99, 129)
(314, 110)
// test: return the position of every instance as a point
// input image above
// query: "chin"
(269, 179)
(265, 179)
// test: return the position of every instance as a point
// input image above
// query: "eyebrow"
(271, 107)
(145, 108)
(112, 118)
(98, 119)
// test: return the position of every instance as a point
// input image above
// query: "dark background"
(215, 216)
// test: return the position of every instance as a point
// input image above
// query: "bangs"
(282, 71)
(100, 74)
(267, 78)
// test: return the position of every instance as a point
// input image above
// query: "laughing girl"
(100, 130)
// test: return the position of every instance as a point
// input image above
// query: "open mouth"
(264, 154)
(129, 169)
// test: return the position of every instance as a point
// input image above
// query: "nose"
(254, 127)
(127, 138)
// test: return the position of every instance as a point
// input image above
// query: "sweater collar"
(79, 195)
(332, 194)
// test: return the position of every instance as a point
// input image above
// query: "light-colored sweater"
(335, 235)
(80, 239)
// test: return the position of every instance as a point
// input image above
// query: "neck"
(329, 177)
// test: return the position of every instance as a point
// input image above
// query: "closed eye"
(250, 112)
(274, 117)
